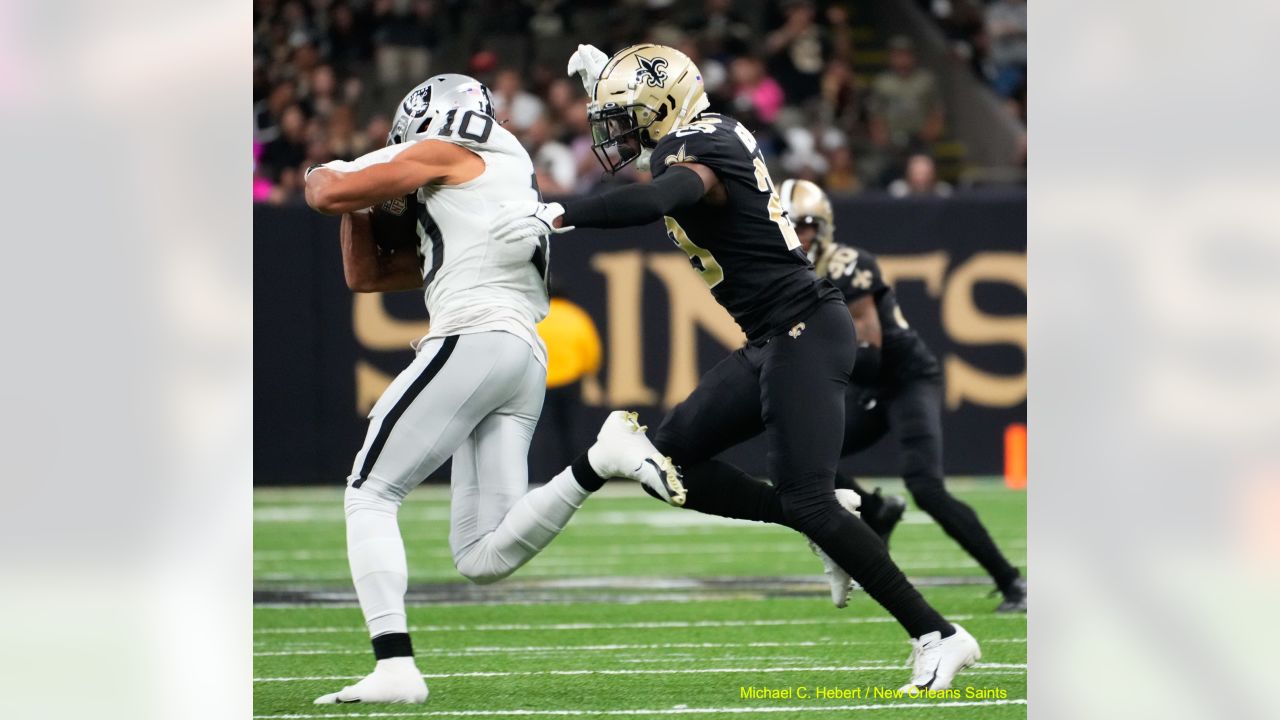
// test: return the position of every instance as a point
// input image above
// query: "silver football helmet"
(433, 98)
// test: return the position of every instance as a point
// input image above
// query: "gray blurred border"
(126, 533)
(1154, 346)
(1154, 350)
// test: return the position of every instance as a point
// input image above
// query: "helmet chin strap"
(686, 114)
(642, 162)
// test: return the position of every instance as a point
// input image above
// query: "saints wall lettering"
(691, 312)
(958, 267)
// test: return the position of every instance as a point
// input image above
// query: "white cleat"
(623, 450)
(840, 581)
(938, 660)
(394, 680)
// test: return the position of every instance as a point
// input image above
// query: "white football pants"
(476, 398)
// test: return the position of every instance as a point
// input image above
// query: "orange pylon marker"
(1015, 456)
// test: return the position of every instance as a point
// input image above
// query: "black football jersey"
(745, 250)
(856, 272)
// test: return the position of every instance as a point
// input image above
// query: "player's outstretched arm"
(365, 268)
(679, 187)
(387, 174)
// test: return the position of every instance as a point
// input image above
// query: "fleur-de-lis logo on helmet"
(651, 71)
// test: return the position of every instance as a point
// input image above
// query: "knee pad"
(370, 496)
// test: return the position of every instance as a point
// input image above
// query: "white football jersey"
(474, 284)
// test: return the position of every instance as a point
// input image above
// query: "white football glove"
(525, 221)
(586, 63)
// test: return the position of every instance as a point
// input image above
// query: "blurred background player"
(897, 386)
(474, 392)
(712, 189)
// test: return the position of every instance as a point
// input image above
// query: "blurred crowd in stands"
(830, 97)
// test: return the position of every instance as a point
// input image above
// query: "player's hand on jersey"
(525, 221)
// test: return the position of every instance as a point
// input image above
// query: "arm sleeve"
(636, 204)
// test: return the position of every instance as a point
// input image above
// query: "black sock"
(857, 549)
(1004, 585)
(960, 522)
(389, 645)
(586, 475)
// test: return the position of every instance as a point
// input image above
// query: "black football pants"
(791, 388)
(913, 412)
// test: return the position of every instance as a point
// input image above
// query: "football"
(394, 225)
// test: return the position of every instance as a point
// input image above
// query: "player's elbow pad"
(636, 204)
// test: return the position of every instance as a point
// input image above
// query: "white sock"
(528, 527)
(378, 565)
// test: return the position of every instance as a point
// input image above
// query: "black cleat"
(883, 514)
(1015, 597)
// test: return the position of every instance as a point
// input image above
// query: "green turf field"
(637, 610)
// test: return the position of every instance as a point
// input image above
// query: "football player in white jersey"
(475, 390)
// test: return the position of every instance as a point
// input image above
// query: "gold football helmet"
(805, 204)
(644, 92)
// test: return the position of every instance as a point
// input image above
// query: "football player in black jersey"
(713, 190)
(897, 386)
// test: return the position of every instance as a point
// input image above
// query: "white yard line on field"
(556, 566)
(589, 551)
(906, 703)
(489, 650)
(918, 550)
(439, 493)
(618, 626)
(979, 669)
(559, 566)
(658, 517)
